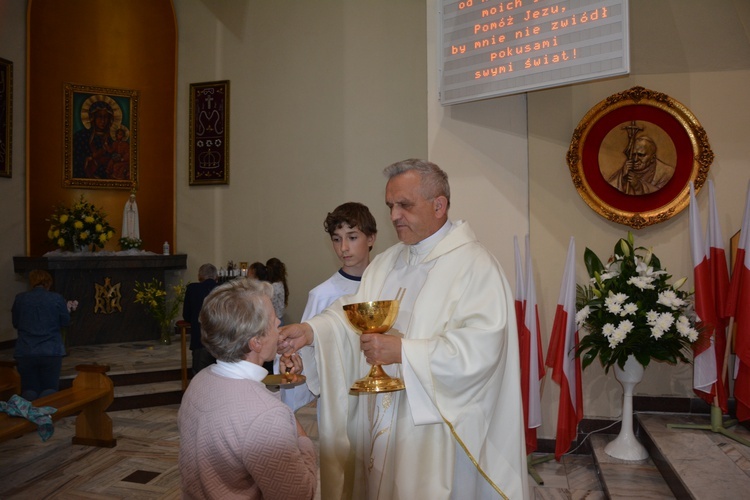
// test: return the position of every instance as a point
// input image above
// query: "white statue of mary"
(130, 219)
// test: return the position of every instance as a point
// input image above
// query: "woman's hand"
(300, 430)
(290, 363)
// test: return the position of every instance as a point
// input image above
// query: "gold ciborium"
(374, 317)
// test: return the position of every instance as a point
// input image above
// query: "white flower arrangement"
(629, 308)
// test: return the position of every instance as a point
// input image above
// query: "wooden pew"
(90, 396)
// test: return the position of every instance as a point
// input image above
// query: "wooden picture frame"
(209, 133)
(633, 156)
(101, 137)
(6, 118)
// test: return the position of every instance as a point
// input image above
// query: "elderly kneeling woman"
(237, 439)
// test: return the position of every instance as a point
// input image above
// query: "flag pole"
(531, 462)
(718, 425)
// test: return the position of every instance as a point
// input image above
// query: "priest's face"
(414, 216)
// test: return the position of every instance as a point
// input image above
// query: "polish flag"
(561, 357)
(704, 351)
(520, 297)
(737, 307)
(532, 362)
(717, 259)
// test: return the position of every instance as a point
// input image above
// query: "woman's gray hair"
(434, 179)
(232, 314)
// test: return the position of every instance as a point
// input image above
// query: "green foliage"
(630, 308)
(130, 243)
(159, 305)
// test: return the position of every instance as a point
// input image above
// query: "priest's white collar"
(418, 251)
(239, 370)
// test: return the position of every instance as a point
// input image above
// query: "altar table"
(104, 286)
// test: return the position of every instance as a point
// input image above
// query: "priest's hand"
(381, 349)
(294, 337)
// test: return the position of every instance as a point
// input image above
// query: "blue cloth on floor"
(19, 407)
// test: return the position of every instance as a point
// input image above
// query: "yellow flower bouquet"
(160, 306)
(79, 226)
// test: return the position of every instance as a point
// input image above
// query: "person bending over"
(237, 440)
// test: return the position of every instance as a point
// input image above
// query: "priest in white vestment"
(456, 431)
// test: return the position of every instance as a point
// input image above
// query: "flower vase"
(626, 446)
(166, 334)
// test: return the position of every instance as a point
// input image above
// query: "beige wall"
(699, 56)
(558, 212)
(13, 190)
(324, 95)
(696, 52)
(483, 147)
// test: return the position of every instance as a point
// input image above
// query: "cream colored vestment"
(461, 348)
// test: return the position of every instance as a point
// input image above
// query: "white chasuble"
(410, 274)
(457, 429)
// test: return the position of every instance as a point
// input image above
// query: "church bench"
(89, 397)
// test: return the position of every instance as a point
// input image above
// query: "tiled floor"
(574, 477)
(706, 464)
(144, 462)
(143, 465)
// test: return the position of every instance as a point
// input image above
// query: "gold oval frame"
(620, 208)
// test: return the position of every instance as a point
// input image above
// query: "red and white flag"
(717, 259)
(532, 363)
(738, 306)
(520, 297)
(561, 357)
(704, 351)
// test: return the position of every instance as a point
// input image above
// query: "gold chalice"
(374, 317)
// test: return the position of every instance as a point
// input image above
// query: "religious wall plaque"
(633, 156)
(101, 132)
(209, 133)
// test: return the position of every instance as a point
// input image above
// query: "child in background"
(277, 277)
(353, 230)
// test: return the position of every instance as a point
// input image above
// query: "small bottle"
(165, 248)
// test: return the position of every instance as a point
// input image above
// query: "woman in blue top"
(38, 315)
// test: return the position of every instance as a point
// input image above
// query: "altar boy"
(353, 230)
